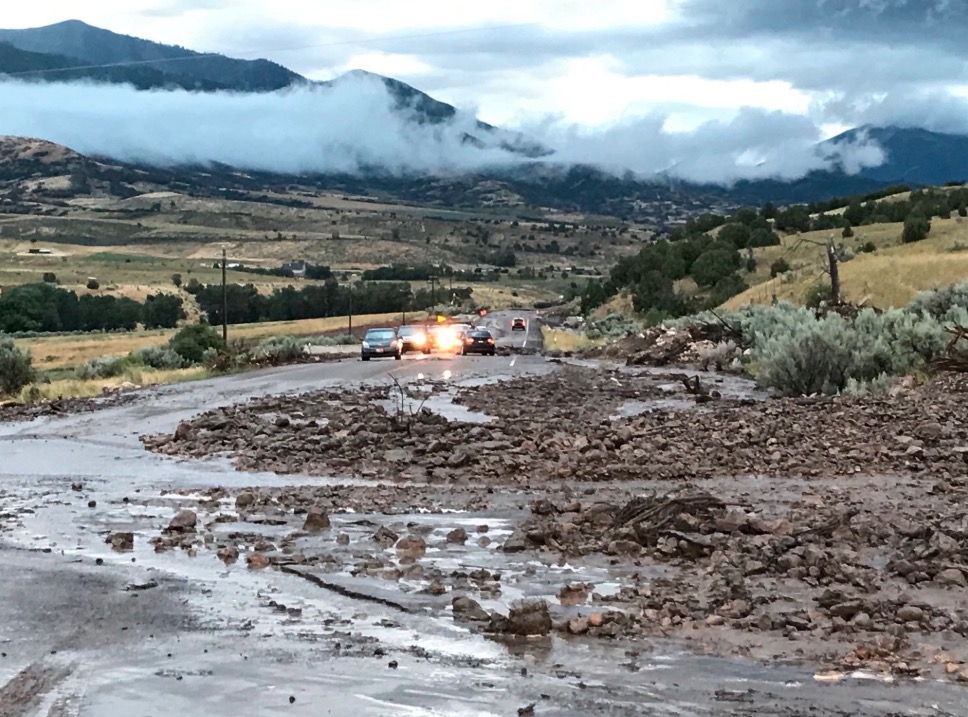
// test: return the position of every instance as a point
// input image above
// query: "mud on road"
(567, 538)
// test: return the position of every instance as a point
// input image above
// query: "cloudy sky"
(765, 72)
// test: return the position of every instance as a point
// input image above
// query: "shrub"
(50, 277)
(93, 284)
(160, 358)
(940, 303)
(339, 340)
(191, 342)
(281, 349)
(780, 266)
(103, 367)
(916, 227)
(16, 367)
(817, 294)
(868, 247)
(176, 279)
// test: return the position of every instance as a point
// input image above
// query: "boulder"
(411, 548)
(529, 618)
(184, 522)
(121, 541)
(316, 521)
(467, 609)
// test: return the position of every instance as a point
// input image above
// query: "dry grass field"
(58, 352)
(890, 276)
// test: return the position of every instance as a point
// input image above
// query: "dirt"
(825, 532)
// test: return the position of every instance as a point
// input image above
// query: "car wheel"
(426, 352)
(491, 353)
(398, 356)
(365, 358)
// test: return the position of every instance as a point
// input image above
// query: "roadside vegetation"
(798, 351)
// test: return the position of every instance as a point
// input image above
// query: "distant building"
(298, 268)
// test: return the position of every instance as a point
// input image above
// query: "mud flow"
(548, 538)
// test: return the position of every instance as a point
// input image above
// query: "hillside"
(889, 276)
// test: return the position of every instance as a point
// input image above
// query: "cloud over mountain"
(356, 124)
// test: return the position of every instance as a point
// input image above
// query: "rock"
(385, 537)
(595, 619)
(963, 675)
(578, 626)
(458, 536)
(931, 432)
(846, 610)
(184, 432)
(228, 554)
(484, 541)
(342, 539)
(470, 610)
(411, 548)
(244, 500)
(316, 521)
(910, 613)
(529, 618)
(715, 620)
(516, 543)
(121, 541)
(624, 547)
(952, 577)
(764, 622)
(257, 561)
(436, 588)
(543, 506)
(184, 521)
(282, 421)
(862, 621)
(571, 595)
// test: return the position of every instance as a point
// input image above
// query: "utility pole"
(225, 304)
(351, 309)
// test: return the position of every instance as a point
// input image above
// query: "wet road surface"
(88, 631)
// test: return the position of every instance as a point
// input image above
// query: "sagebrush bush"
(281, 348)
(794, 352)
(193, 341)
(16, 367)
(103, 367)
(940, 302)
(161, 358)
(338, 340)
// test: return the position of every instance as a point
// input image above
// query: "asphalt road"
(87, 632)
(499, 324)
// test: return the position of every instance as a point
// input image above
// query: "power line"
(291, 48)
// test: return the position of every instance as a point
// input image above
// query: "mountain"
(74, 50)
(914, 156)
(86, 45)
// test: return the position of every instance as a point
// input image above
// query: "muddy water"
(212, 639)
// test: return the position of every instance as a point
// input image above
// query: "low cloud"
(352, 125)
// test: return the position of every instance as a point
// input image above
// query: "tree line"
(45, 308)
(246, 305)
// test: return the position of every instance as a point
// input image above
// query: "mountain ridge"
(75, 50)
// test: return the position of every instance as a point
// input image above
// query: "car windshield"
(408, 330)
(379, 335)
(481, 333)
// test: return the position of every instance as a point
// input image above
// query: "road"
(85, 631)
(499, 323)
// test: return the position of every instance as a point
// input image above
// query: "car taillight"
(490, 341)
(468, 340)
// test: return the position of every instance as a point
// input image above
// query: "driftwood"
(650, 514)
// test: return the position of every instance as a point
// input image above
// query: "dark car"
(518, 324)
(380, 343)
(413, 338)
(476, 341)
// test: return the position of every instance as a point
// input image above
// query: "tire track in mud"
(27, 689)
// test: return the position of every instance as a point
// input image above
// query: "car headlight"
(366, 345)
(418, 340)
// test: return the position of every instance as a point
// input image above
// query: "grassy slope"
(891, 276)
